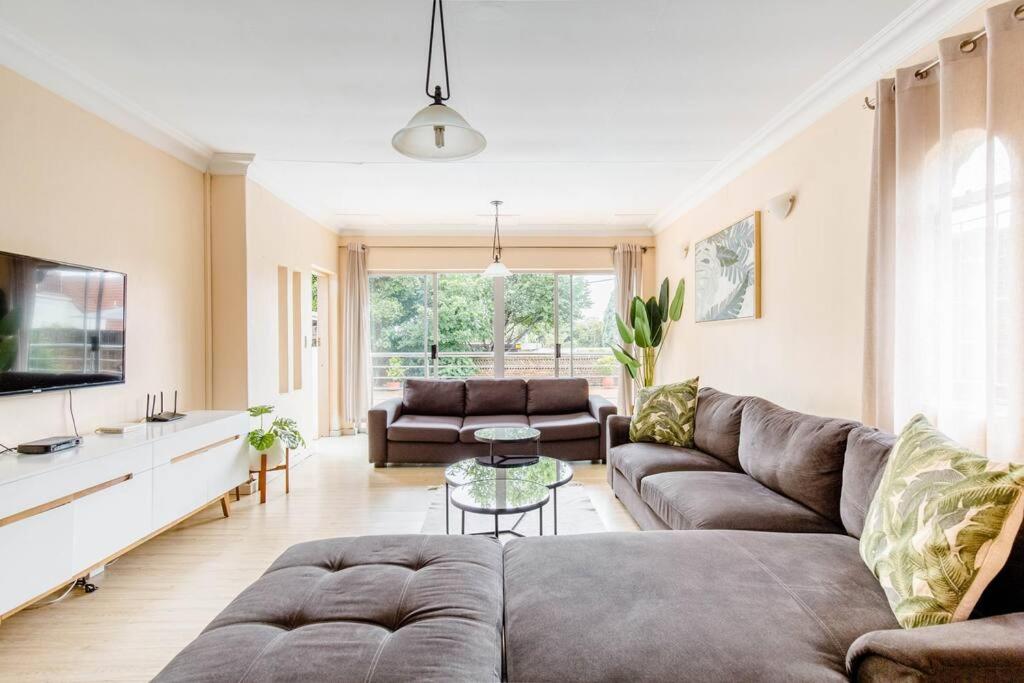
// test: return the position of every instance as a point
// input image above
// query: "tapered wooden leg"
(238, 494)
(263, 479)
(225, 505)
(287, 470)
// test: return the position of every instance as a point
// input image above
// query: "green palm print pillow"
(940, 526)
(666, 414)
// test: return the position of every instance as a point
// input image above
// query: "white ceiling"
(598, 114)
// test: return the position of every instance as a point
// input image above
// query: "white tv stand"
(65, 514)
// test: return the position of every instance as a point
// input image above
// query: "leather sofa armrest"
(380, 417)
(989, 649)
(618, 430)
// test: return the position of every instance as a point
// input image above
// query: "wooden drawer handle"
(200, 451)
(63, 500)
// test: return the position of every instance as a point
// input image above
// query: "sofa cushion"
(382, 608)
(474, 422)
(566, 427)
(726, 500)
(635, 461)
(686, 606)
(666, 414)
(797, 455)
(557, 395)
(867, 450)
(429, 428)
(495, 397)
(717, 427)
(434, 397)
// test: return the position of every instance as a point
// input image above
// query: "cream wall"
(279, 235)
(229, 293)
(74, 188)
(805, 351)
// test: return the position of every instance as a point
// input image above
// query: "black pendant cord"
(438, 9)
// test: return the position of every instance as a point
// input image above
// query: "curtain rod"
(967, 45)
(466, 246)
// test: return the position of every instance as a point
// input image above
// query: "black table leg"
(496, 533)
(463, 522)
(555, 493)
(447, 504)
(541, 511)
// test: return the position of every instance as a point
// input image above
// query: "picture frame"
(727, 272)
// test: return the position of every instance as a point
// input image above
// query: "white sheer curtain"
(356, 339)
(628, 264)
(945, 305)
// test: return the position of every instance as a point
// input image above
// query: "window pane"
(400, 331)
(465, 325)
(588, 330)
(529, 325)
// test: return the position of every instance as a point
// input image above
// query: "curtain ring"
(1018, 13)
(968, 46)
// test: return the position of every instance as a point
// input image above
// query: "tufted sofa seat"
(374, 608)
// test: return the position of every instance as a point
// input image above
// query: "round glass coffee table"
(500, 496)
(548, 472)
(507, 435)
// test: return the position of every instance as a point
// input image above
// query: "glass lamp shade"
(497, 269)
(438, 133)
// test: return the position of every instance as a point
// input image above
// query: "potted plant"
(272, 446)
(605, 368)
(395, 373)
(647, 329)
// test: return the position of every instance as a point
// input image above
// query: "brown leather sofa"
(434, 421)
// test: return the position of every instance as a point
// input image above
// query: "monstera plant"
(646, 330)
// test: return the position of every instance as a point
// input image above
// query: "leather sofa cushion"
(726, 500)
(635, 461)
(495, 397)
(566, 427)
(717, 427)
(382, 608)
(867, 452)
(557, 395)
(797, 455)
(687, 606)
(434, 397)
(474, 422)
(429, 428)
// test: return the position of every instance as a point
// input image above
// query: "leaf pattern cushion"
(940, 526)
(666, 414)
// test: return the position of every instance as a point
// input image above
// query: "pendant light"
(496, 268)
(437, 132)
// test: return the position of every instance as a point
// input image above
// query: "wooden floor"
(157, 598)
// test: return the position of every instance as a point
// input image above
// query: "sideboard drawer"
(198, 438)
(36, 555)
(111, 519)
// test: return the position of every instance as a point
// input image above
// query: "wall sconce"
(686, 250)
(780, 207)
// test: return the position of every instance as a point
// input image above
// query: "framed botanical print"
(728, 272)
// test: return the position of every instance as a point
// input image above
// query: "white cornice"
(224, 163)
(26, 57)
(567, 230)
(923, 22)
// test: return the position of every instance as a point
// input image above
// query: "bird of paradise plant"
(647, 330)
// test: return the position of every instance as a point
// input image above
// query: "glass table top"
(546, 472)
(506, 434)
(499, 496)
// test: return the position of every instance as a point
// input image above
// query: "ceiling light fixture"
(437, 132)
(496, 268)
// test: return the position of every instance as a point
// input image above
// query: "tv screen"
(61, 325)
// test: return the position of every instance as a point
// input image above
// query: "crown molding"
(475, 230)
(227, 163)
(923, 22)
(33, 61)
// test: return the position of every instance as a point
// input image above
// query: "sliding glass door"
(461, 325)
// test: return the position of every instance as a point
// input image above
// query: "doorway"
(320, 352)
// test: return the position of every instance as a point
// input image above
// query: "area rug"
(576, 515)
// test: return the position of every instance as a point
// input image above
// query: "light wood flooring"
(157, 598)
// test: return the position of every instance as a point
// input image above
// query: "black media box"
(50, 445)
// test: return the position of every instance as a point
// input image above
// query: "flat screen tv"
(61, 325)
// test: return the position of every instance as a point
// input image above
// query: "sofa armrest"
(617, 427)
(601, 408)
(380, 417)
(989, 649)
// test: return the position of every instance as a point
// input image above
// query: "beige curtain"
(945, 296)
(628, 263)
(356, 338)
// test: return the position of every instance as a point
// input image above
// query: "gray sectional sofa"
(434, 420)
(763, 581)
